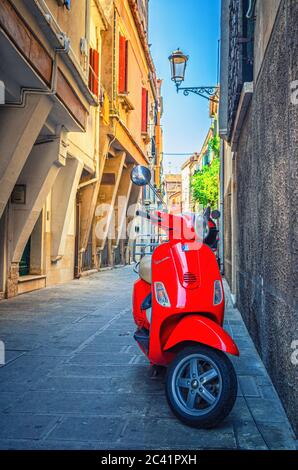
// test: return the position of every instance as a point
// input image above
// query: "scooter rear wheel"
(201, 386)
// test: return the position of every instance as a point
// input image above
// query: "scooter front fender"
(201, 330)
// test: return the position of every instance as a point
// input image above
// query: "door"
(24, 266)
(87, 263)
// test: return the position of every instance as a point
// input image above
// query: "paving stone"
(75, 365)
(25, 371)
(248, 366)
(268, 391)
(11, 355)
(90, 429)
(144, 431)
(248, 436)
(248, 386)
(265, 410)
(278, 436)
(124, 373)
(9, 399)
(30, 444)
(126, 347)
(240, 412)
(24, 426)
(95, 384)
(88, 403)
(50, 350)
(114, 359)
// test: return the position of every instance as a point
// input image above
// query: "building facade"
(79, 110)
(258, 121)
(187, 172)
(198, 161)
(129, 126)
(173, 192)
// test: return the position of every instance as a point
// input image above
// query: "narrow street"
(74, 378)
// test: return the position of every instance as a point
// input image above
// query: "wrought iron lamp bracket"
(210, 93)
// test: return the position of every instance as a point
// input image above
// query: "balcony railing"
(240, 55)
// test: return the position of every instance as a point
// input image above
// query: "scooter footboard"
(200, 329)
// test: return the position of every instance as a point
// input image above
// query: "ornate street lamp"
(178, 62)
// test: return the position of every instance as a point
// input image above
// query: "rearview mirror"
(215, 214)
(140, 175)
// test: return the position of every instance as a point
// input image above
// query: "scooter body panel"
(202, 330)
(140, 290)
(188, 273)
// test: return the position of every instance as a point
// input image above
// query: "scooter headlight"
(161, 294)
(217, 295)
(201, 228)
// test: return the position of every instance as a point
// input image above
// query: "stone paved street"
(74, 378)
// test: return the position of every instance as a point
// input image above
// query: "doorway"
(24, 266)
(32, 258)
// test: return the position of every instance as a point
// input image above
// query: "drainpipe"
(38, 91)
(251, 9)
(221, 220)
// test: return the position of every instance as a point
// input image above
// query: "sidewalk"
(75, 379)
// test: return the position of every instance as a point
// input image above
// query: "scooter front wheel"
(201, 386)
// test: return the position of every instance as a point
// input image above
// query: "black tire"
(223, 387)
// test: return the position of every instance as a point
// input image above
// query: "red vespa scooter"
(178, 307)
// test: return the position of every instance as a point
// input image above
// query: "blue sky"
(193, 26)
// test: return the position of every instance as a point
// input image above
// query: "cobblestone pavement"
(75, 379)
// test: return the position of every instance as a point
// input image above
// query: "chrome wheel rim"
(197, 385)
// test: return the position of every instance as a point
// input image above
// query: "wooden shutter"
(144, 110)
(126, 66)
(94, 71)
(122, 64)
(90, 69)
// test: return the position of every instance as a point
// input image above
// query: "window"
(94, 71)
(123, 64)
(144, 110)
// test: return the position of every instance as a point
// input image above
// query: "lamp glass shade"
(178, 62)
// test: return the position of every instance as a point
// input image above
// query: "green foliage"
(205, 184)
(215, 145)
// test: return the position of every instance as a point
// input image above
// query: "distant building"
(187, 172)
(172, 191)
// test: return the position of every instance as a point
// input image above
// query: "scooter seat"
(145, 269)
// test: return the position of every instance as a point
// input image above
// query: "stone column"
(38, 174)
(19, 128)
(63, 199)
(107, 196)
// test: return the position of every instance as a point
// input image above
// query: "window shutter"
(122, 64)
(90, 69)
(144, 110)
(94, 71)
(126, 65)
